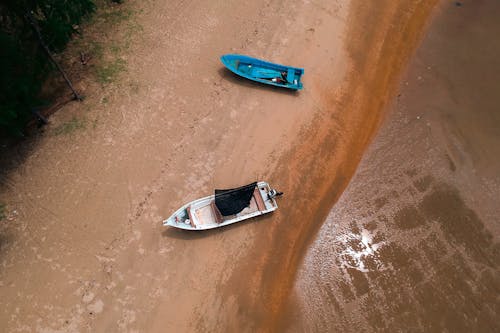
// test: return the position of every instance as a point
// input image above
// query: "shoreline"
(413, 241)
(276, 275)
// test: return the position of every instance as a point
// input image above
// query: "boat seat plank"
(258, 200)
(191, 221)
(217, 213)
(205, 215)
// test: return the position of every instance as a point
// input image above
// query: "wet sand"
(83, 248)
(413, 242)
(378, 40)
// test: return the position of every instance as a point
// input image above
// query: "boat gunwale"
(226, 58)
(209, 198)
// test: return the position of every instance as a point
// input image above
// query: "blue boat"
(263, 71)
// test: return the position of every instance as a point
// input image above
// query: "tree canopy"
(23, 61)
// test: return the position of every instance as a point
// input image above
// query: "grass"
(116, 16)
(107, 72)
(116, 49)
(133, 29)
(109, 36)
(95, 49)
(70, 126)
(3, 211)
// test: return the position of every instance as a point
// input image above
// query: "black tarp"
(233, 201)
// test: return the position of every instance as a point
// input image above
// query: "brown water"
(413, 243)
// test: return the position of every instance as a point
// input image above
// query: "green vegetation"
(70, 126)
(107, 72)
(3, 211)
(117, 16)
(23, 60)
(111, 64)
(106, 50)
(28, 29)
(95, 49)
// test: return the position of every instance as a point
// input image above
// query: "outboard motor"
(273, 194)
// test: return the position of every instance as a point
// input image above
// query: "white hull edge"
(198, 219)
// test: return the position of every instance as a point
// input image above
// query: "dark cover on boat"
(233, 201)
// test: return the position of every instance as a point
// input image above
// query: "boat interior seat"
(191, 221)
(245, 68)
(217, 214)
(261, 206)
(264, 73)
(290, 75)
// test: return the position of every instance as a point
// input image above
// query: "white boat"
(225, 207)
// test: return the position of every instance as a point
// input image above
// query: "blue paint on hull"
(263, 71)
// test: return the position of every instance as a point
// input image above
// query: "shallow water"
(413, 243)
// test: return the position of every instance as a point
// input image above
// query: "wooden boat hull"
(263, 71)
(200, 214)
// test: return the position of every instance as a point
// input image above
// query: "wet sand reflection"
(413, 243)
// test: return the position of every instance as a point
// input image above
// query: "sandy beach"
(83, 250)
